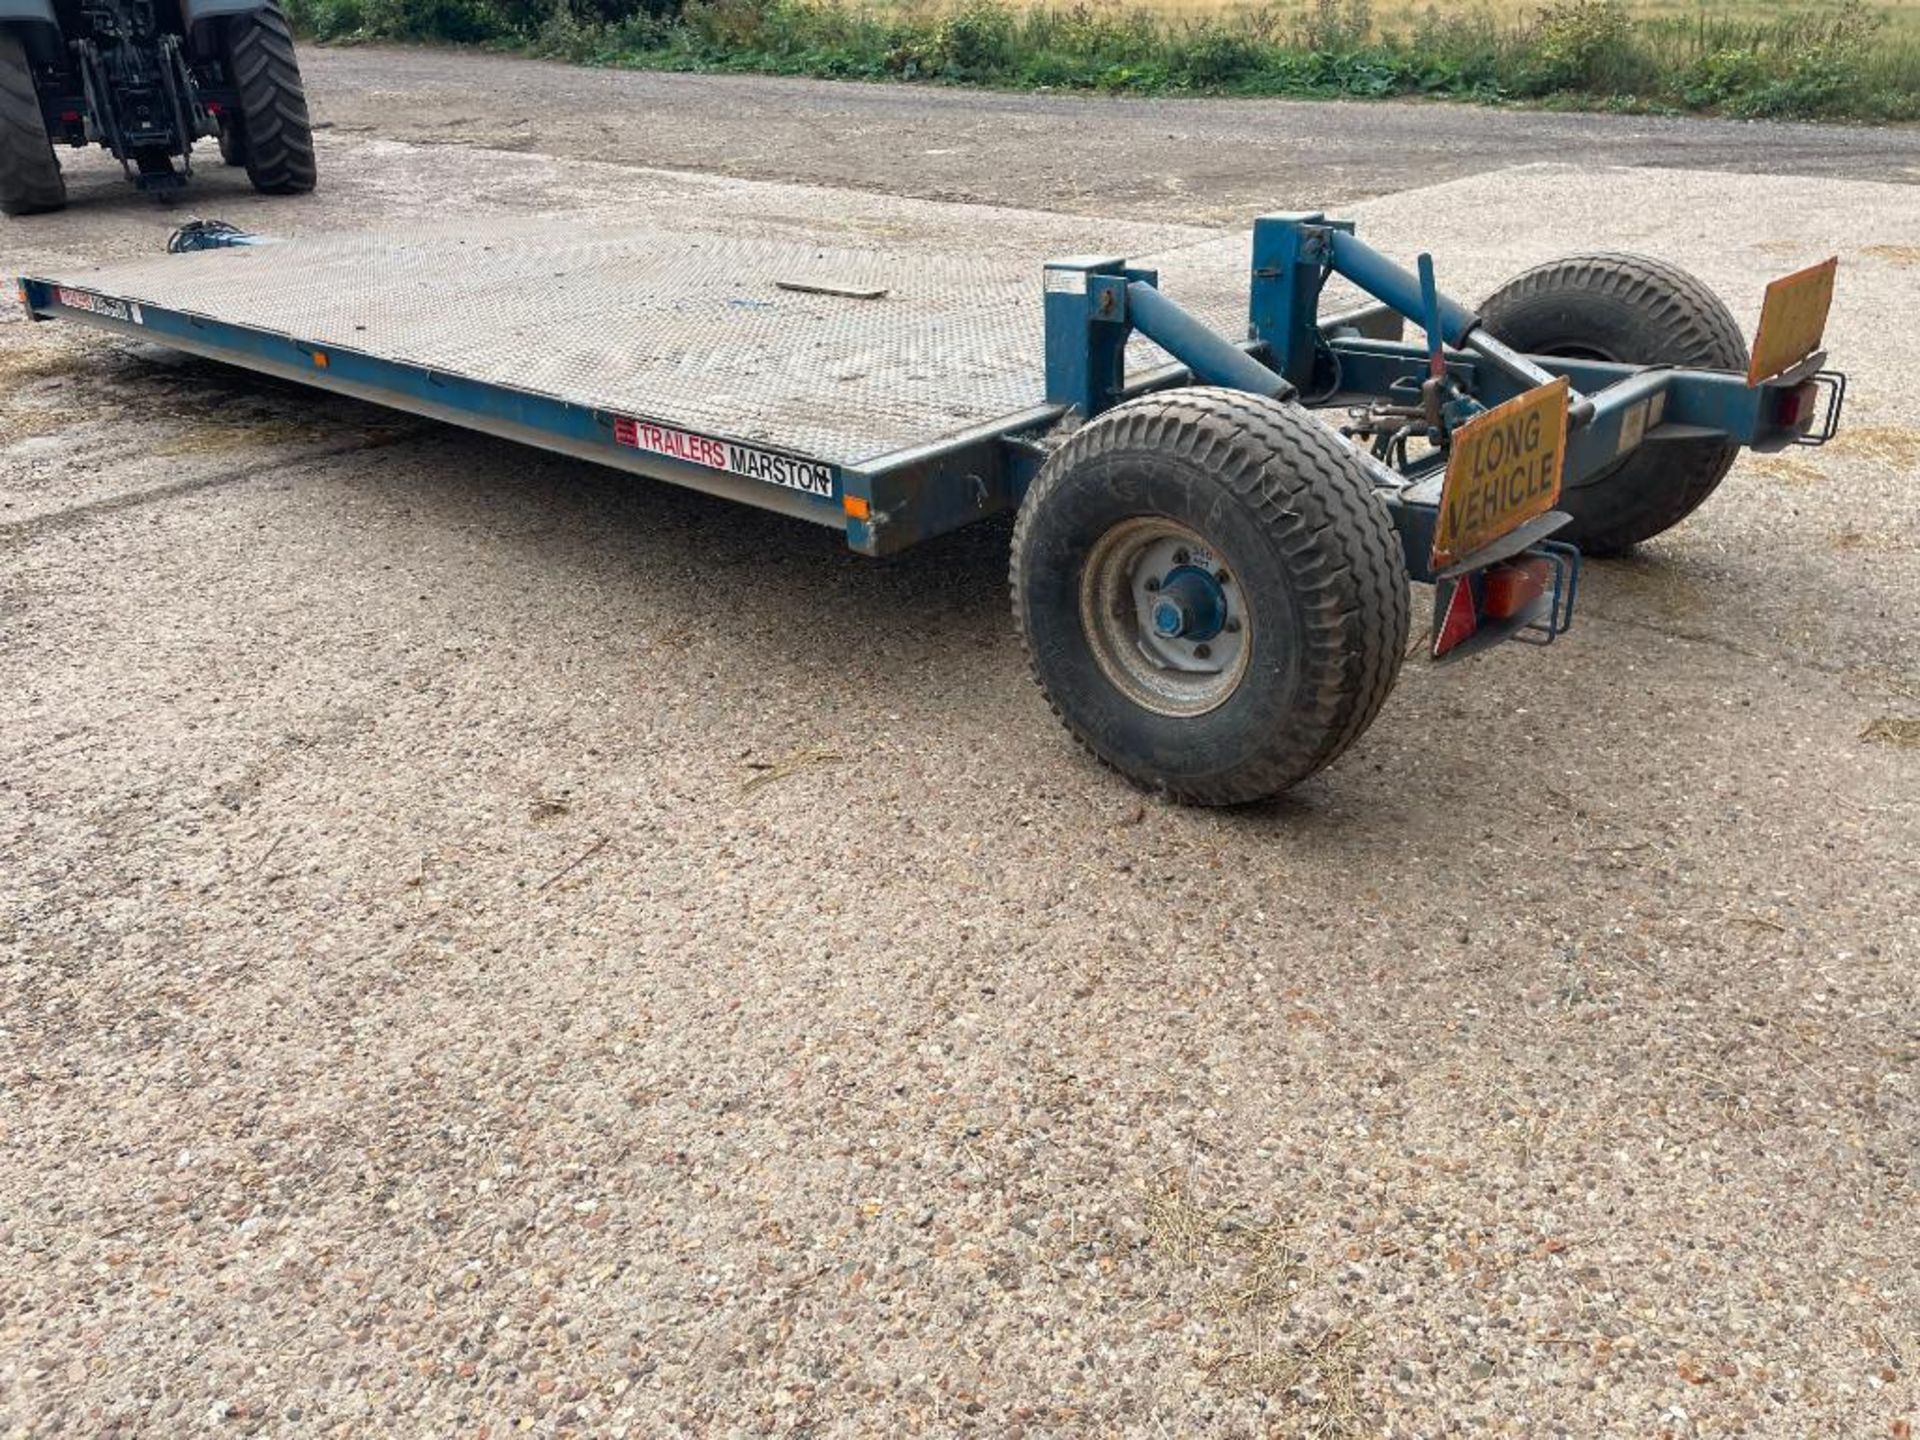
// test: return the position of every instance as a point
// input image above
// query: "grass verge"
(1839, 63)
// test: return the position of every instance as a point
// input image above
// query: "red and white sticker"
(100, 305)
(809, 477)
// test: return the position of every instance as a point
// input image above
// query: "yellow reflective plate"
(1504, 470)
(1793, 319)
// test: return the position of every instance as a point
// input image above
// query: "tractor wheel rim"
(1165, 616)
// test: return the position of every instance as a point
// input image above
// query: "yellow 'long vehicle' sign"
(1504, 469)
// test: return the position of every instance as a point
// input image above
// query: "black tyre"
(276, 135)
(30, 179)
(1210, 595)
(1636, 311)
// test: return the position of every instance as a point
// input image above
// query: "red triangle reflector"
(1457, 622)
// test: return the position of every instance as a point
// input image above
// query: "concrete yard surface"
(492, 946)
(1192, 158)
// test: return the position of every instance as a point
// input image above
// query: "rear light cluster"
(1514, 590)
(1797, 407)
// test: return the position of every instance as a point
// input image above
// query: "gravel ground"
(450, 986)
(1188, 160)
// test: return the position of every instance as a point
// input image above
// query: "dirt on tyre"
(1631, 310)
(275, 135)
(30, 179)
(1210, 595)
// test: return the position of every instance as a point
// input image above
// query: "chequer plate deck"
(690, 329)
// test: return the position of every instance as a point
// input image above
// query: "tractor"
(145, 79)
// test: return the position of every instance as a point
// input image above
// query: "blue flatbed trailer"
(1211, 583)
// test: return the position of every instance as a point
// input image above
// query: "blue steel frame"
(1093, 304)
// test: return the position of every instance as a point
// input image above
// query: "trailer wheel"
(275, 133)
(1210, 595)
(30, 179)
(1631, 310)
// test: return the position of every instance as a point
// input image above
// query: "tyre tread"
(278, 152)
(30, 178)
(1304, 486)
(1690, 326)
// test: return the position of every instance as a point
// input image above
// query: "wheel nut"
(1153, 583)
(1202, 652)
(1222, 576)
(1232, 627)
(1180, 557)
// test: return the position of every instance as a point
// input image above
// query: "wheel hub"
(1191, 604)
(1168, 622)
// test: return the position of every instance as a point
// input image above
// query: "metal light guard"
(1557, 618)
(1834, 384)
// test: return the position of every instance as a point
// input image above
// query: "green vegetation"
(1844, 62)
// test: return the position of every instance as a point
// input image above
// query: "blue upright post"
(1283, 299)
(1086, 332)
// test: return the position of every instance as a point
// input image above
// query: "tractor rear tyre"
(1633, 311)
(275, 135)
(30, 179)
(1211, 596)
